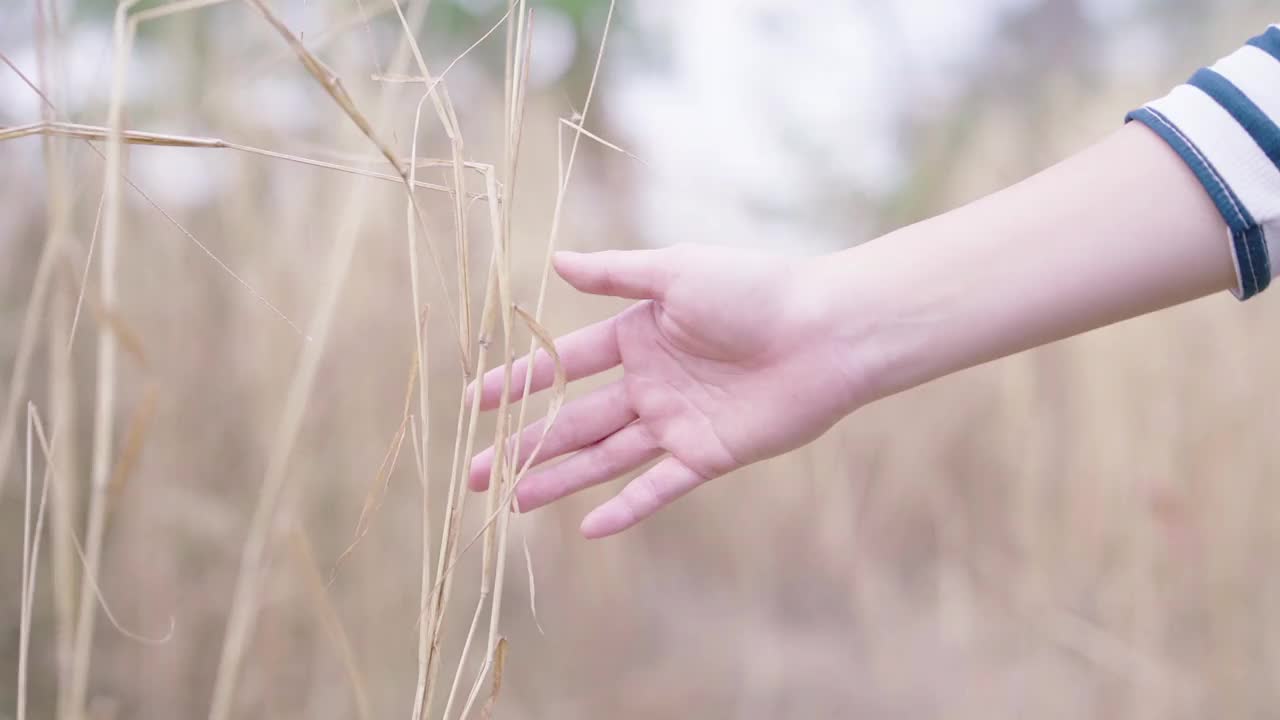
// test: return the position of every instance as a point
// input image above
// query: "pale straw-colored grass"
(496, 325)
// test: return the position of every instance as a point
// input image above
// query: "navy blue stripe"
(1251, 117)
(1234, 212)
(1249, 280)
(1256, 241)
(1268, 42)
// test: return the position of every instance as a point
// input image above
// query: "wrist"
(856, 299)
(901, 310)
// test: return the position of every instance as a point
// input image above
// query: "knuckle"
(639, 498)
(649, 493)
(609, 279)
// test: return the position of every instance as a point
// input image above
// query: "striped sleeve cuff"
(1225, 124)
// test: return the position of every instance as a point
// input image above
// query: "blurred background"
(1086, 530)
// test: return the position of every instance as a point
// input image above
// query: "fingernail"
(568, 255)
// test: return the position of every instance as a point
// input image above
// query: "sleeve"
(1225, 124)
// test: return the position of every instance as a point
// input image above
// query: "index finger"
(583, 352)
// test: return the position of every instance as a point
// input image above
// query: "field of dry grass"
(1085, 530)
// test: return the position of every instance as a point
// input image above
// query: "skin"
(730, 357)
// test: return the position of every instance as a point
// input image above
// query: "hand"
(727, 360)
(732, 357)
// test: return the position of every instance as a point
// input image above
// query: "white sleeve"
(1225, 124)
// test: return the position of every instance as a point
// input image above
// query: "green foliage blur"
(450, 24)
(450, 16)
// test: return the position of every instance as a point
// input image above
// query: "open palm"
(725, 363)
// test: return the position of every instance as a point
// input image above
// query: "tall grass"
(274, 515)
(1085, 530)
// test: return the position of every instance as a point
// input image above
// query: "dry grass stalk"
(331, 83)
(576, 127)
(382, 479)
(559, 390)
(462, 470)
(248, 585)
(60, 381)
(30, 563)
(64, 496)
(499, 664)
(136, 137)
(316, 42)
(134, 439)
(494, 558)
(26, 350)
(450, 551)
(422, 444)
(65, 502)
(44, 267)
(327, 614)
(105, 385)
(83, 285)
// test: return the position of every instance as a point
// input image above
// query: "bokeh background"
(1085, 530)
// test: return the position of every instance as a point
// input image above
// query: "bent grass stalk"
(48, 445)
(52, 477)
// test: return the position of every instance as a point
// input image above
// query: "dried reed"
(496, 325)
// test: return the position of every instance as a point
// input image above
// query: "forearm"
(1119, 230)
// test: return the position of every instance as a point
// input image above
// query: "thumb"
(636, 274)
